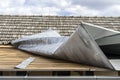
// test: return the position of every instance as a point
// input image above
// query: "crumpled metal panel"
(107, 39)
(98, 32)
(80, 47)
(45, 43)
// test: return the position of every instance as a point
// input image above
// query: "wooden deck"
(10, 57)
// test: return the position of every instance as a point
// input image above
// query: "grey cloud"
(96, 4)
(61, 7)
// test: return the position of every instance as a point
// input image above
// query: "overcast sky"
(61, 7)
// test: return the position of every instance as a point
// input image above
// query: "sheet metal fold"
(107, 39)
(80, 47)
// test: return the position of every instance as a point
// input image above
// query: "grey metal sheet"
(110, 44)
(25, 63)
(107, 39)
(98, 32)
(80, 47)
(44, 43)
(115, 63)
(59, 78)
(113, 39)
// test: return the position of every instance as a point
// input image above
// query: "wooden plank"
(77, 73)
(9, 73)
(39, 73)
(6, 46)
(106, 73)
(93, 68)
(10, 57)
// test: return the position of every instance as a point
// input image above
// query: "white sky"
(61, 7)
